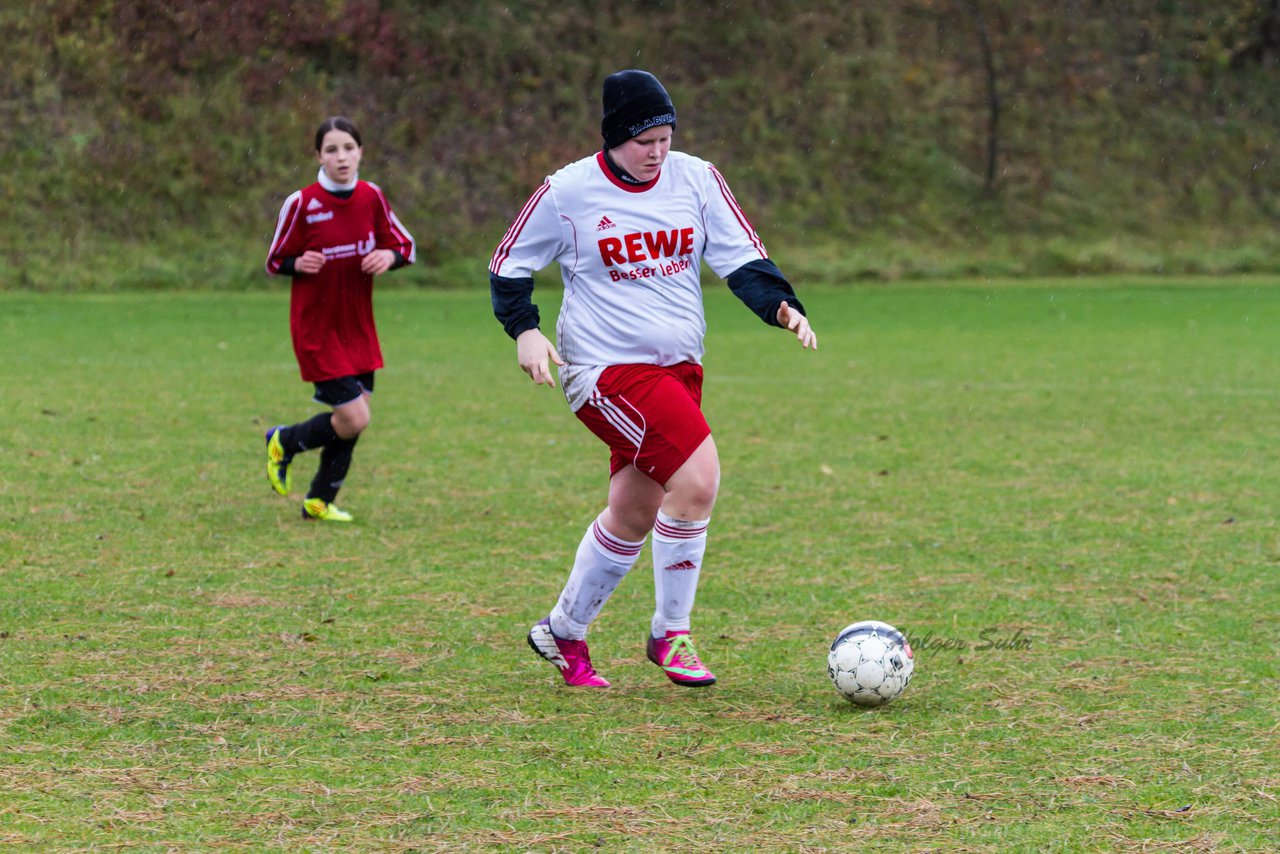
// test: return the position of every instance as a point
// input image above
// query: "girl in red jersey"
(333, 237)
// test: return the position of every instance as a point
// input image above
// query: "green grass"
(232, 262)
(1088, 466)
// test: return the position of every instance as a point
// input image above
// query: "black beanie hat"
(634, 101)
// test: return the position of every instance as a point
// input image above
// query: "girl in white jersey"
(630, 226)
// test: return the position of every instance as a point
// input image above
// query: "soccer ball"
(870, 663)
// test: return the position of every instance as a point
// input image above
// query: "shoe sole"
(534, 646)
(307, 517)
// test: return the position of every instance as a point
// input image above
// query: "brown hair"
(341, 123)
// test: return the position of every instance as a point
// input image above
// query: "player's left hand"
(377, 261)
(793, 320)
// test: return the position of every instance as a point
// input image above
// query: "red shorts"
(649, 416)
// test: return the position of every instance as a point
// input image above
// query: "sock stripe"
(671, 532)
(612, 544)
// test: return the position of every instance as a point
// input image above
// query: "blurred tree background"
(149, 143)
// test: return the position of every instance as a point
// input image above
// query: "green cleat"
(318, 508)
(278, 461)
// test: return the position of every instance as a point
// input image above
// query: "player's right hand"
(533, 352)
(309, 262)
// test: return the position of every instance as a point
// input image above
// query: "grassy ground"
(233, 262)
(1065, 491)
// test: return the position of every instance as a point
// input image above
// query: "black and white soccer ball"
(870, 663)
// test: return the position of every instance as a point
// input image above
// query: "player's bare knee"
(702, 484)
(629, 522)
(692, 498)
(703, 494)
(350, 422)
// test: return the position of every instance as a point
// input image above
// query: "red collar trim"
(621, 184)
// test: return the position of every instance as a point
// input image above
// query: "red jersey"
(331, 312)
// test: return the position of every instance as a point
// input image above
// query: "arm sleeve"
(513, 303)
(534, 239)
(391, 233)
(532, 242)
(289, 239)
(761, 285)
(731, 239)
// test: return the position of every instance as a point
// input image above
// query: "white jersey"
(630, 259)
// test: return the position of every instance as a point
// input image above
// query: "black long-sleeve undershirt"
(513, 303)
(762, 288)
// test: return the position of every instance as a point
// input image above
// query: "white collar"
(333, 186)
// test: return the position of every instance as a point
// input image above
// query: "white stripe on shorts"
(632, 432)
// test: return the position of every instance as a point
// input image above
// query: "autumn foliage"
(130, 121)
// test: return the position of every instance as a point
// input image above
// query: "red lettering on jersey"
(611, 251)
(635, 252)
(686, 241)
(662, 244)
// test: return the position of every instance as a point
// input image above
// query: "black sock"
(316, 432)
(335, 459)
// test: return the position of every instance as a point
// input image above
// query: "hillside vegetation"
(149, 143)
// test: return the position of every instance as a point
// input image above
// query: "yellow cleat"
(278, 461)
(318, 508)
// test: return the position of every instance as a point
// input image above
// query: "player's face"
(641, 157)
(339, 154)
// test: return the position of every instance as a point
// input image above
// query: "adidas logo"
(314, 204)
(605, 224)
(684, 564)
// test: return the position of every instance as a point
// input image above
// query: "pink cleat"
(678, 659)
(571, 656)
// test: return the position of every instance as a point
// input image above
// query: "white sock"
(598, 568)
(678, 548)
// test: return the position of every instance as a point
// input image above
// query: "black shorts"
(342, 390)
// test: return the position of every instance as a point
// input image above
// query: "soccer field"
(1065, 492)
